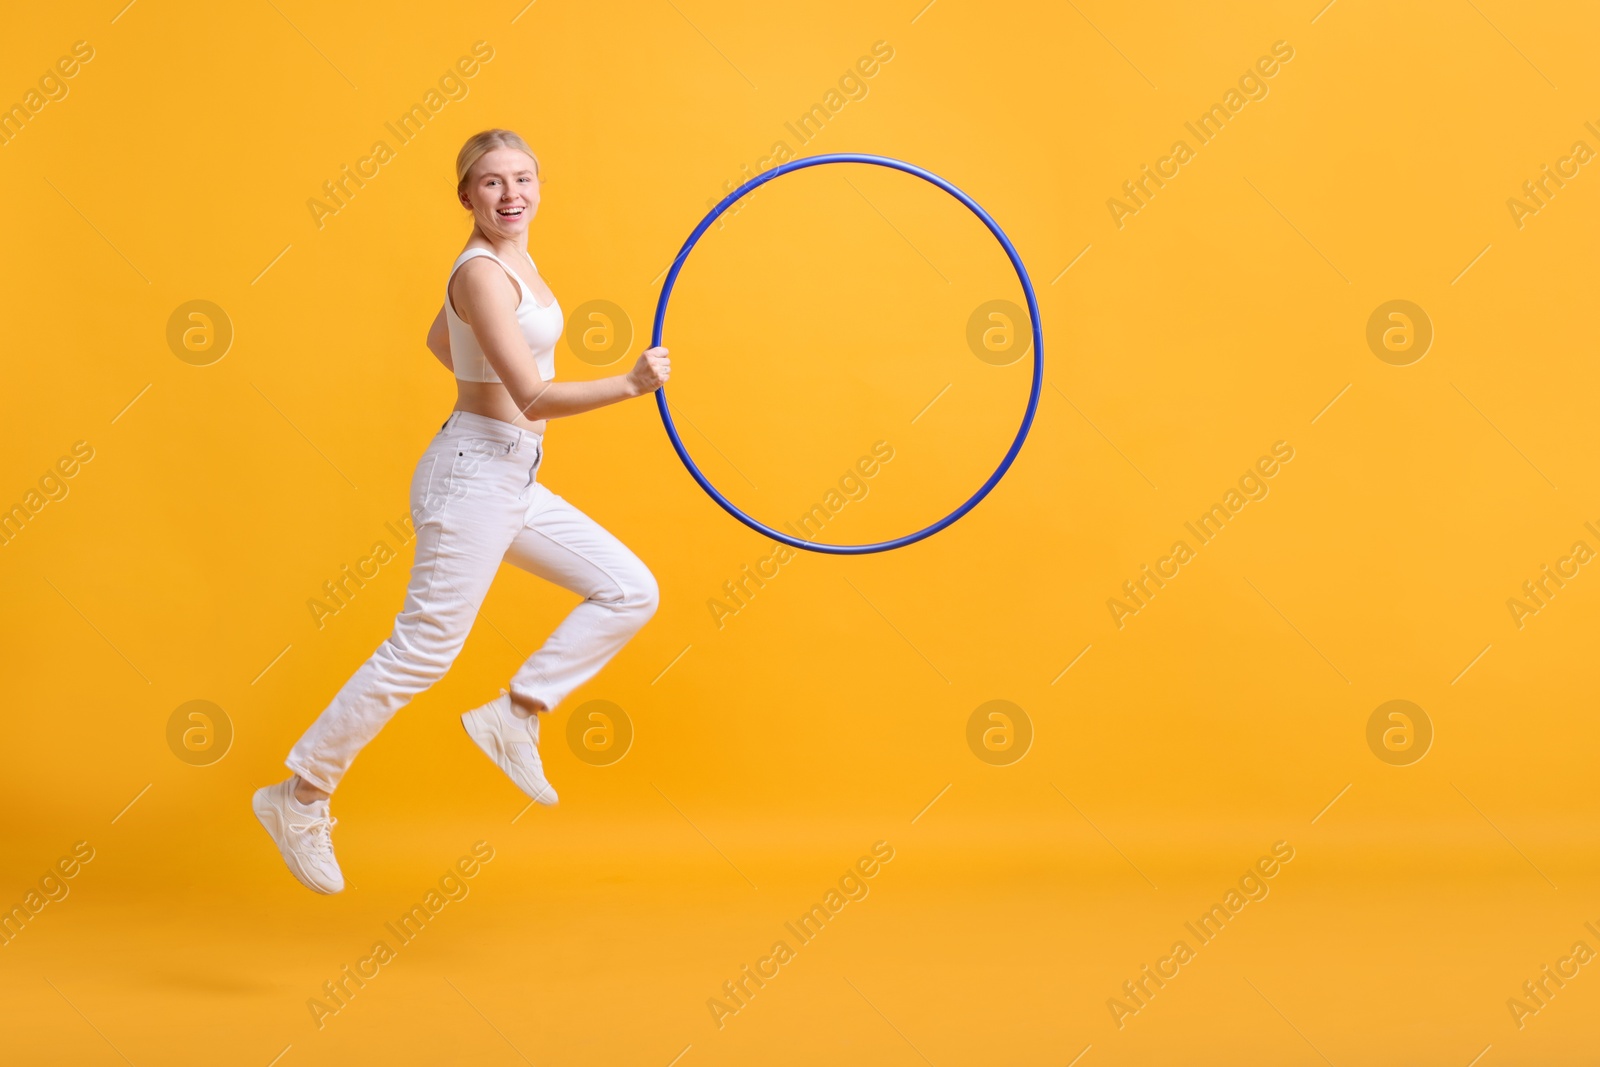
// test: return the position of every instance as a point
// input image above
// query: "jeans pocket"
(429, 488)
(445, 473)
(475, 455)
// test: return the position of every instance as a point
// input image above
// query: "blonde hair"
(487, 141)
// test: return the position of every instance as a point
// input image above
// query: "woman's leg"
(464, 519)
(561, 544)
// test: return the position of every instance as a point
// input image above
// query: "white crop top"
(541, 327)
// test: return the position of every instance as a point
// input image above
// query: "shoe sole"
(272, 822)
(486, 740)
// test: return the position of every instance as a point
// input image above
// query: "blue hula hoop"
(1033, 393)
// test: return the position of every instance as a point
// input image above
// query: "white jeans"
(475, 502)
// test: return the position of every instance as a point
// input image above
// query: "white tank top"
(541, 328)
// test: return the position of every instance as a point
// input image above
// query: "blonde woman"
(476, 501)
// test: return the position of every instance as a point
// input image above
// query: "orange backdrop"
(1248, 720)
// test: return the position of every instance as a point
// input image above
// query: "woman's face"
(503, 192)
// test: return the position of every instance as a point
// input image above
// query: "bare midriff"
(493, 400)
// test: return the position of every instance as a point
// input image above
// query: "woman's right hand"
(651, 372)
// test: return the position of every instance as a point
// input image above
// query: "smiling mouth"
(510, 212)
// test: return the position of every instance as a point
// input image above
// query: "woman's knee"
(627, 589)
(422, 648)
(640, 594)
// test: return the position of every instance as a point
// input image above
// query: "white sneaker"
(302, 833)
(512, 741)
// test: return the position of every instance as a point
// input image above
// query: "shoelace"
(320, 827)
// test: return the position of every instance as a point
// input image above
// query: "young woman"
(475, 501)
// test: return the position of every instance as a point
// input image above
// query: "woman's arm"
(439, 340)
(487, 299)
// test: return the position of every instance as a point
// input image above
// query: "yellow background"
(773, 751)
